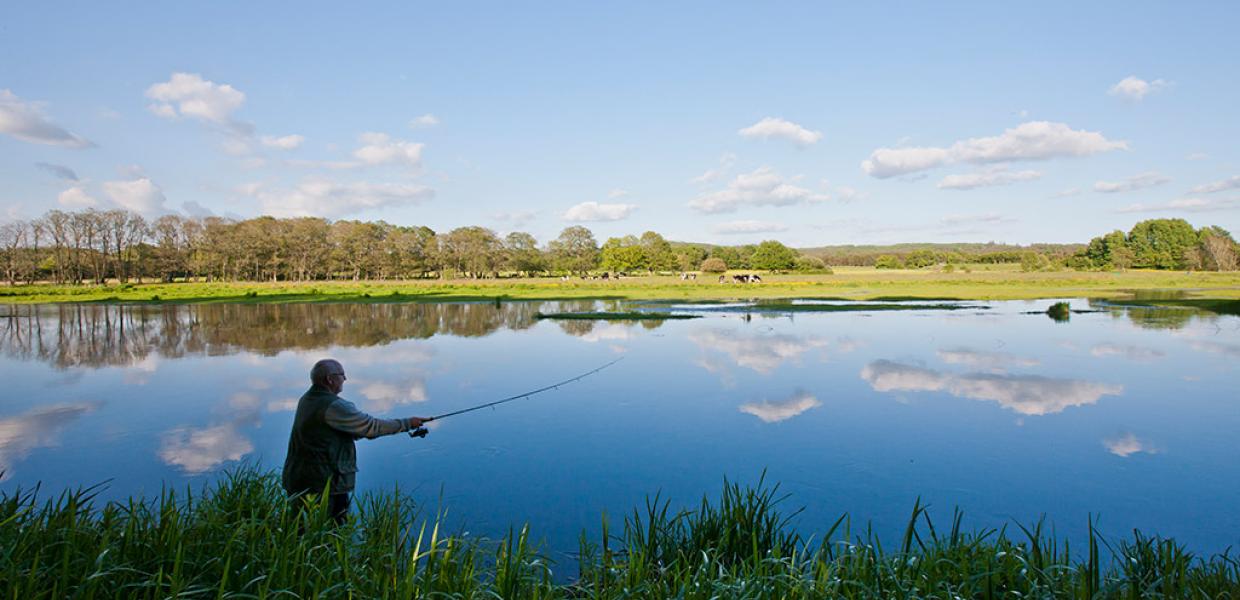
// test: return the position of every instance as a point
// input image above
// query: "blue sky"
(812, 123)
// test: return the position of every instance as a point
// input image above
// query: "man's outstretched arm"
(343, 415)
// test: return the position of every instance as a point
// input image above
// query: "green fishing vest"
(318, 454)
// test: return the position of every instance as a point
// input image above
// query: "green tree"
(773, 256)
(623, 254)
(921, 258)
(659, 255)
(474, 250)
(1161, 243)
(729, 255)
(689, 256)
(522, 254)
(575, 251)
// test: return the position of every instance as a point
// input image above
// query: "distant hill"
(865, 255)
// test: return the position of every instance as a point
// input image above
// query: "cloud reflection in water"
(1127, 445)
(774, 412)
(37, 428)
(198, 450)
(1030, 395)
(760, 353)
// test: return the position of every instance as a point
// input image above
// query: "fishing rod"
(422, 431)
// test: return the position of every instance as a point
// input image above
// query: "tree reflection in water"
(101, 335)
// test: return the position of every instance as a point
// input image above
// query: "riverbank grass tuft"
(241, 538)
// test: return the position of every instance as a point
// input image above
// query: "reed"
(241, 538)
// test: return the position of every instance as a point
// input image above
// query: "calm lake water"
(1131, 415)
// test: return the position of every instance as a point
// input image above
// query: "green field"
(977, 282)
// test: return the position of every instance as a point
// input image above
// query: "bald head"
(322, 374)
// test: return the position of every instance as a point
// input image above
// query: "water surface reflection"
(1003, 413)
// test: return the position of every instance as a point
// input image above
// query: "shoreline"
(1161, 287)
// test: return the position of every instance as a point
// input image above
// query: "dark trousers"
(338, 507)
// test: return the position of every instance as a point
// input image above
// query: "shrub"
(811, 264)
(888, 261)
(714, 265)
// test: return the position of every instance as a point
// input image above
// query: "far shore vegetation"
(241, 538)
(1212, 291)
(117, 256)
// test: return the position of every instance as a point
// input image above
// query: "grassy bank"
(241, 539)
(989, 282)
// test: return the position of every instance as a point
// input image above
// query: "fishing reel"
(419, 432)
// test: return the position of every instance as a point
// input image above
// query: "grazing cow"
(755, 278)
(741, 278)
(723, 279)
(606, 275)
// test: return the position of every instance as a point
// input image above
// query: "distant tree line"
(92, 246)
(1161, 244)
(1151, 244)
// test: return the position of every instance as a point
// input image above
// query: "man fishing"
(320, 446)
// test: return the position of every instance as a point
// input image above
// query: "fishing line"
(422, 431)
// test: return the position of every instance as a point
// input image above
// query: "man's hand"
(416, 422)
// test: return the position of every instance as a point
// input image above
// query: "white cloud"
(1030, 395)
(1185, 205)
(236, 146)
(426, 120)
(987, 178)
(762, 187)
(955, 222)
(317, 197)
(1127, 445)
(1230, 183)
(1131, 184)
(1035, 140)
(889, 162)
(1068, 193)
(189, 95)
(774, 412)
(844, 193)
(711, 175)
(742, 227)
(139, 195)
(200, 450)
(26, 121)
(380, 148)
(36, 428)
(60, 171)
(773, 127)
(75, 198)
(287, 142)
(517, 217)
(617, 193)
(593, 211)
(1197, 156)
(1137, 353)
(1134, 88)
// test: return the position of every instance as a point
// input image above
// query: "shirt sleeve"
(343, 415)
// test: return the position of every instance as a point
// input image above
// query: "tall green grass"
(241, 538)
